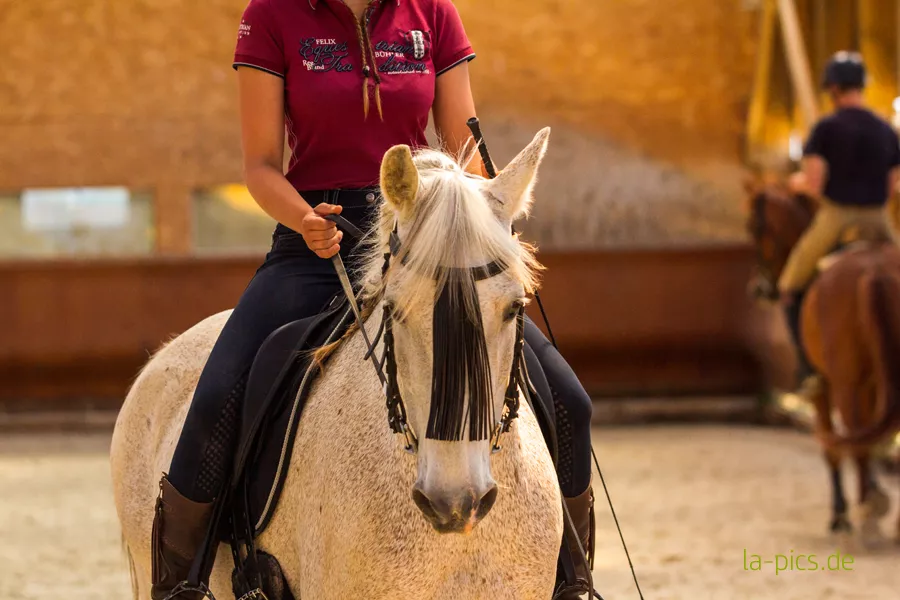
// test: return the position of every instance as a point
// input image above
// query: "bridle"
(386, 366)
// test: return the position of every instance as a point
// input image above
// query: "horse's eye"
(512, 311)
(395, 315)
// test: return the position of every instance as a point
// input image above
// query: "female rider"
(347, 79)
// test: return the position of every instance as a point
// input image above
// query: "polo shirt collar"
(314, 3)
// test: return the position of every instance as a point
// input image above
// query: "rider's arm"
(815, 170)
(893, 180)
(894, 164)
(262, 138)
(260, 62)
(815, 165)
(453, 106)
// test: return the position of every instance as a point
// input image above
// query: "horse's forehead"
(502, 284)
(491, 292)
(773, 201)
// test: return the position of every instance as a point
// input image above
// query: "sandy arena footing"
(693, 501)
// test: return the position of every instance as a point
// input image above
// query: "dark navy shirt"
(860, 149)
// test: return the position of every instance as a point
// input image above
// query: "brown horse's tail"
(880, 318)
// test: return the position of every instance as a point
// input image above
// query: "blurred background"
(123, 221)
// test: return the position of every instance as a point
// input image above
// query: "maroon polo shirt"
(313, 45)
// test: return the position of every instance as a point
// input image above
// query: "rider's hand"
(797, 184)
(321, 236)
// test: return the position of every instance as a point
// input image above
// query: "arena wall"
(648, 99)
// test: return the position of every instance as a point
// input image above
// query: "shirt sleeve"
(451, 44)
(895, 146)
(259, 43)
(817, 143)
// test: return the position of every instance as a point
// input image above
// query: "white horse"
(346, 526)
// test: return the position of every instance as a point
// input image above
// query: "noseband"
(386, 367)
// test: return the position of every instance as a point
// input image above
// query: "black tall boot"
(792, 312)
(179, 528)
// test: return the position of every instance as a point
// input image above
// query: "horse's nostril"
(424, 504)
(486, 503)
(458, 513)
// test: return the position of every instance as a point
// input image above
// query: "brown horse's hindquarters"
(868, 420)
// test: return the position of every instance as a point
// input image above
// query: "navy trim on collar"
(314, 3)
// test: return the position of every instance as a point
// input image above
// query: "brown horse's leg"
(897, 538)
(874, 503)
(864, 475)
(839, 521)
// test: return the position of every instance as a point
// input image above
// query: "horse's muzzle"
(459, 513)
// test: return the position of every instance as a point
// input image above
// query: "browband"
(478, 273)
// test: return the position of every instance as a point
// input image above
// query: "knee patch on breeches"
(564, 434)
(220, 450)
(573, 432)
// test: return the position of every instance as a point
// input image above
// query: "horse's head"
(454, 299)
(777, 217)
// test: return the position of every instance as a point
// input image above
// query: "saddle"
(855, 238)
(278, 385)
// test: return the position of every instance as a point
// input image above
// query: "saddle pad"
(830, 259)
(277, 388)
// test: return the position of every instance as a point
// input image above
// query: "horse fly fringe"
(460, 364)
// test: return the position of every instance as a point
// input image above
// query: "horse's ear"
(513, 185)
(399, 180)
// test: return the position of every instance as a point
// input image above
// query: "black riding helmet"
(846, 70)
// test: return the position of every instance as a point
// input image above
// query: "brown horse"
(850, 329)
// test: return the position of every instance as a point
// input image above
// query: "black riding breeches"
(573, 413)
(293, 283)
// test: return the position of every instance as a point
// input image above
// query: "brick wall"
(648, 99)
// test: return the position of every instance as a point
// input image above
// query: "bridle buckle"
(495, 437)
(412, 442)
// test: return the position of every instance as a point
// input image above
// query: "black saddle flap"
(274, 401)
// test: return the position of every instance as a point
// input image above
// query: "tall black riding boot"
(581, 509)
(792, 312)
(179, 528)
